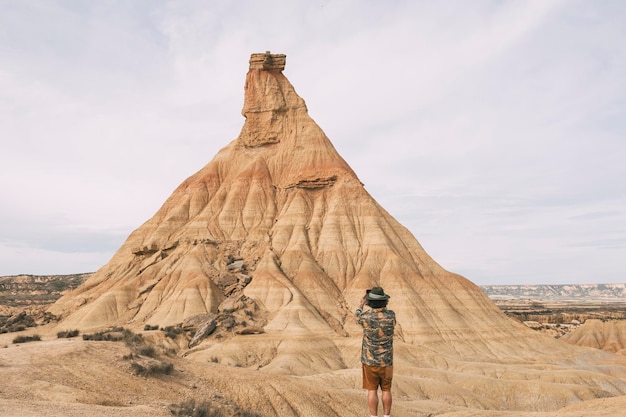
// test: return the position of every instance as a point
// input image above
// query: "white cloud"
(493, 131)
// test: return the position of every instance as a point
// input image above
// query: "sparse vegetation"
(143, 356)
(114, 335)
(25, 339)
(172, 331)
(16, 322)
(146, 350)
(12, 329)
(68, 333)
(190, 408)
(248, 413)
(152, 368)
(148, 327)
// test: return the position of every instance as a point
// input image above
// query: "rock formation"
(609, 335)
(278, 224)
(277, 239)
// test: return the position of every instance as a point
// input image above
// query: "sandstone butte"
(278, 234)
(608, 335)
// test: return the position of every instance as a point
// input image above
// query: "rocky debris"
(194, 322)
(15, 320)
(314, 183)
(19, 317)
(145, 249)
(203, 331)
(250, 330)
(236, 317)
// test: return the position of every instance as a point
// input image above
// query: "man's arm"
(359, 310)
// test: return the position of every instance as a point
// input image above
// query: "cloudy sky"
(494, 130)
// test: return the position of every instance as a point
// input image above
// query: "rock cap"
(268, 61)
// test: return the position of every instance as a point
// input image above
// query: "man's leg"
(386, 396)
(372, 402)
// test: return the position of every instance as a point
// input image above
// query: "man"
(377, 349)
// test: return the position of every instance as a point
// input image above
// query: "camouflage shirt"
(378, 325)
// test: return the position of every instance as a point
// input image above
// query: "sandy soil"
(72, 377)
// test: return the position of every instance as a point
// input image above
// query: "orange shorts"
(377, 376)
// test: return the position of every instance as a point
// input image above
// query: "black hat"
(377, 294)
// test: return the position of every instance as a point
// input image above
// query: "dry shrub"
(25, 339)
(146, 350)
(248, 413)
(142, 355)
(152, 368)
(190, 408)
(67, 333)
(172, 331)
(115, 335)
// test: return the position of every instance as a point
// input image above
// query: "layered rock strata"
(278, 233)
(281, 201)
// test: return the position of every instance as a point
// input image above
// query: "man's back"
(378, 326)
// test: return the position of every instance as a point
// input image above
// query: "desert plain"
(74, 377)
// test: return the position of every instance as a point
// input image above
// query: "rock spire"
(268, 249)
(278, 232)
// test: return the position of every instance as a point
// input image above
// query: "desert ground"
(71, 377)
